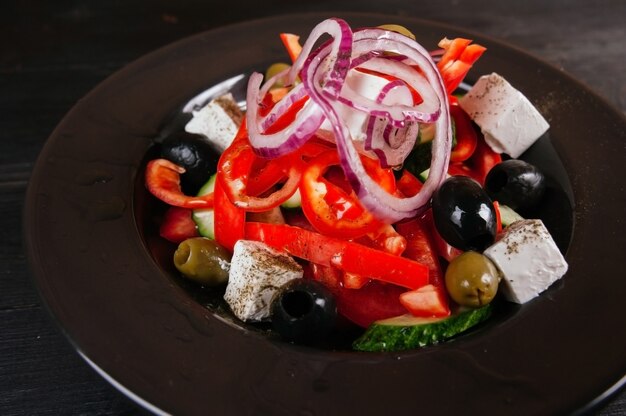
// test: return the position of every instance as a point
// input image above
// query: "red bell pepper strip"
(234, 170)
(292, 44)
(496, 206)
(329, 208)
(343, 255)
(178, 225)
(466, 137)
(229, 220)
(425, 301)
(457, 60)
(163, 181)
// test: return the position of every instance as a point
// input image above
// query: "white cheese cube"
(509, 122)
(219, 121)
(528, 259)
(256, 273)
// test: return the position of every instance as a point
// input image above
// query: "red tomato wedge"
(466, 137)
(370, 303)
(424, 301)
(342, 255)
(177, 225)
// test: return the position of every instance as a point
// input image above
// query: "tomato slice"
(178, 225)
(343, 255)
(483, 160)
(370, 303)
(163, 181)
(408, 184)
(421, 249)
(466, 137)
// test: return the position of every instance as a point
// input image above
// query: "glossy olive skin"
(516, 183)
(464, 214)
(203, 261)
(472, 279)
(303, 311)
(194, 153)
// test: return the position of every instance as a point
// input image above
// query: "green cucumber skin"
(380, 337)
(204, 218)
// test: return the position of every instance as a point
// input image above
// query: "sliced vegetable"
(466, 137)
(343, 255)
(363, 306)
(409, 332)
(205, 218)
(432, 300)
(329, 208)
(457, 60)
(177, 225)
(163, 181)
(229, 220)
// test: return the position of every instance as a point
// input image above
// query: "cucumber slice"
(295, 201)
(205, 218)
(508, 216)
(408, 332)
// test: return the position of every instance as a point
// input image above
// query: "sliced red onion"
(380, 134)
(307, 121)
(425, 112)
(323, 73)
(309, 118)
(372, 196)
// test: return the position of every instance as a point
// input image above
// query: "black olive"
(515, 183)
(303, 311)
(464, 215)
(195, 154)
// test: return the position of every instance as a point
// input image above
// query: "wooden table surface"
(53, 53)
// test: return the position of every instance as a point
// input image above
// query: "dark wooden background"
(53, 52)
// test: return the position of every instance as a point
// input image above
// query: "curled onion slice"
(392, 127)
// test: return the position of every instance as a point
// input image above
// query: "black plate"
(95, 268)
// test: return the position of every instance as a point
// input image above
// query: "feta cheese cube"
(219, 121)
(256, 272)
(509, 122)
(528, 259)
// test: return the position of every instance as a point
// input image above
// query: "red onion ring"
(323, 73)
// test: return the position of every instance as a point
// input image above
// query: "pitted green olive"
(203, 261)
(472, 279)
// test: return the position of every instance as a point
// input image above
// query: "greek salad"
(360, 186)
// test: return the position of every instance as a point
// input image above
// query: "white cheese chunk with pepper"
(508, 120)
(528, 259)
(219, 121)
(256, 273)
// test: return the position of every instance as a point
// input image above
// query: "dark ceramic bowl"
(108, 279)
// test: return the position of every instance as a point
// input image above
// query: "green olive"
(399, 29)
(276, 69)
(203, 261)
(472, 279)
